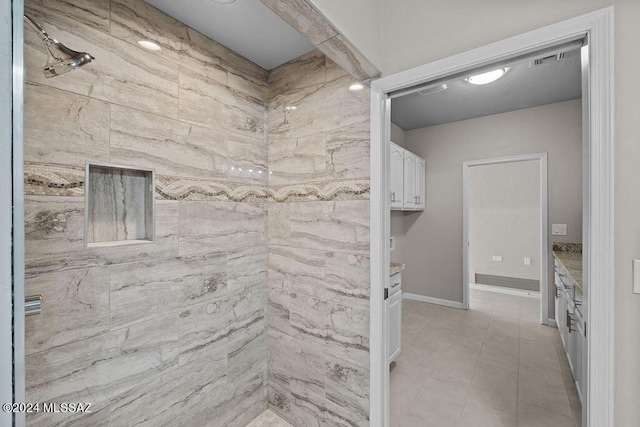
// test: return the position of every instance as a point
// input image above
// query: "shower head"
(60, 59)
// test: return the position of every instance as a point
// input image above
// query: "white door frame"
(543, 230)
(598, 27)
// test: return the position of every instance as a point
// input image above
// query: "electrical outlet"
(497, 258)
(527, 260)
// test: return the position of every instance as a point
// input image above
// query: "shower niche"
(119, 206)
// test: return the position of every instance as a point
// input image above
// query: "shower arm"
(38, 29)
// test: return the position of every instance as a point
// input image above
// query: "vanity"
(393, 306)
(570, 309)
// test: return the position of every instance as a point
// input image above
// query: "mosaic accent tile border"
(53, 180)
(322, 191)
(59, 180)
(174, 188)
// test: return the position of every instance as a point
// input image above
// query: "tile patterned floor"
(268, 419)
(493, 365)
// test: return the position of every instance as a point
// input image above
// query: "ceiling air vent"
(547, 59)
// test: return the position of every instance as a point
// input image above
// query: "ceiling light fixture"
(356, 86)
(149, 45)
(488, 77)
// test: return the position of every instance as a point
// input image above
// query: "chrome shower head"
(60, 59)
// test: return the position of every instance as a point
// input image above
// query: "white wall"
(5, 210)
(504, 219)
(360, 21)
(433, 242)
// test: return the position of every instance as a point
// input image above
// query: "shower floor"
(269, 419)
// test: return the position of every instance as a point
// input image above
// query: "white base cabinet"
(393, 304)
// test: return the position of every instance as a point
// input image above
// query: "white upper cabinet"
(410, 196)
(407, 180)
(420, 182)
(397, 176)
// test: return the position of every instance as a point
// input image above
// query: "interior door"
(396, 176)
(409, 180)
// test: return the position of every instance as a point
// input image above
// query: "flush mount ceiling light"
(488, 77)
(149, 45)
(356, 86)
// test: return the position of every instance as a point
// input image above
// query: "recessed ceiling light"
(488, 77)
(356, 86)
(149, 45)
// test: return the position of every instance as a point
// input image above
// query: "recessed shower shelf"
(120, 206)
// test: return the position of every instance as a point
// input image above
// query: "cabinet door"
(420, 182)
(397, 176)
(409, 180)
(395, 325)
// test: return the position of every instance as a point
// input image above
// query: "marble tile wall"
(173, 328)
(318, 235)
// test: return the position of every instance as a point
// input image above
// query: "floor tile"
(495, 387)
(533, 416)
(476, 415)
(544, 389)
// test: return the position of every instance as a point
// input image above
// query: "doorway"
(503, 222)
(597, 28)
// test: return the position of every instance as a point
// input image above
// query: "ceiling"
(247, 27)
(524, 85)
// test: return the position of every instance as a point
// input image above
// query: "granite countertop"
(396, 267)
(570, 255)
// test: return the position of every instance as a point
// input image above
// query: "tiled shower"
(254, 291)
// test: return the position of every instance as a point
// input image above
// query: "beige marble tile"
(203, 55)
(100, 368)
(306, 70)
(415, 361)
(248, 78)
(342, 330)
(54, 236)
(298, 270)
(347, 385)
(247, 269)
(544, 389)
(172, 148)
(343, 53)
(403, 389)
(98, 417)
(300, 160)
(135, 20)
(65, 128)
(278, 310)
(42, 179)
(247, 158)
(317, 109)
(223, 226)
(300, 365)
(209, 102)
(76, 306)
(302, 16)
(334, 226)
(122, 73)
(348, 151)
(209, 190)
(94, 14)
(269, 419)
(456, 363)
(157, 402)
(146, 290)
(321, 191)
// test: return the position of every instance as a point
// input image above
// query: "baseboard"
(430, 300)
(501, 290)
(552, 323)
